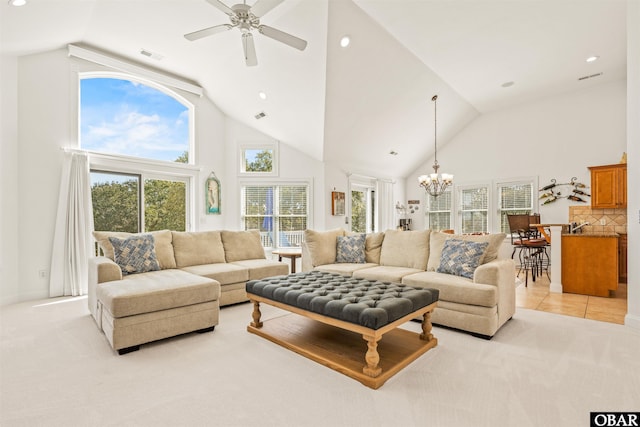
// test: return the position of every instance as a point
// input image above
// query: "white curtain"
(72, 241)
(386, 208)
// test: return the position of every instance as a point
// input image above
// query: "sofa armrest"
(101, 269)
(502, 274)
(306, 263)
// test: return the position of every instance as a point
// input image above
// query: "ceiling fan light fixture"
(17, 2)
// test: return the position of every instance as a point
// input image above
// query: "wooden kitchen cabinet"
(622, 258)
(590, 264)
(609, 186)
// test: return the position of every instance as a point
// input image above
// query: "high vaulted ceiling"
(352, 106)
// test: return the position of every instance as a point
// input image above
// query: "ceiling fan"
(247, 18)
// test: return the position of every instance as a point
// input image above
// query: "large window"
(279, 211)
(117, 202)
(474, 209)
(142, 127)
(439, 211)
(513, 198)
(127, 117)
(362, 208)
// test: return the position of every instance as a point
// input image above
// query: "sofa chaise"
(477, 290)
(150, 286)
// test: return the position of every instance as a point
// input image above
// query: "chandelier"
(435, 184)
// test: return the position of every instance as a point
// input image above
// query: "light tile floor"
(536, 296)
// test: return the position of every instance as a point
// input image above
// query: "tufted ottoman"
(331, 312)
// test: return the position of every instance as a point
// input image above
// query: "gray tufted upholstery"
(369, 303)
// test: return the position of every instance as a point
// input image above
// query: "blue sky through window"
(125, 117)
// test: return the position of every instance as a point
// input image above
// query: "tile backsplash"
(615, 220)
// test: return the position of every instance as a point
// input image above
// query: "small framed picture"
(212, 195)
(337, 203)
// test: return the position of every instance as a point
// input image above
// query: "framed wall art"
(212, 194)
(337, 203)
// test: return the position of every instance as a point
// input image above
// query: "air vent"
(150, 54)
(589, 77)
(260, 115)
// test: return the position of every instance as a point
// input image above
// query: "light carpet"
(541, 369)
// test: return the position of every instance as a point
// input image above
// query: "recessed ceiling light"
(592, 58)
(345, 41)
(17, 2)
(507, 84)
(262, 95)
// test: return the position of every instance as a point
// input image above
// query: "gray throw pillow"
(461, 257)
(135, 254)
(351, 249)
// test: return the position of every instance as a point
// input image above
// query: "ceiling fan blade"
(249, 50)
(282, 37)
(263, 6)
(207, 32)
(221, 6)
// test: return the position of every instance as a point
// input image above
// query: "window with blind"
(474, 209)
(439, 211)
(514, 198)
(279, 211)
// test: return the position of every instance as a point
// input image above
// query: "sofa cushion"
(197, 248)
(261, 268)
(373, 247)
(135, 254)
(346, 269)
(385, 273)
(241, 245)
(351, 249)
(405, 249)
(162, 244)
(223, 272)
(461, 257)
(437, 240)
(455, 288)
(155, 291)
(322, 245)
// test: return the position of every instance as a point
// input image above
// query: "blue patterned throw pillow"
(135, 254)
(461, 257)
(351, 249)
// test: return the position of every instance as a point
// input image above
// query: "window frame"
(533, 181)
(459, 204)
(451, 210)
(263, 146)
(243, 183)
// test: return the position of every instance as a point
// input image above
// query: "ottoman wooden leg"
(426, 334)
(372, 357)
(256, 315)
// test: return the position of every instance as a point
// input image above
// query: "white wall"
(9, 218)
(633, 157)
(556, 137)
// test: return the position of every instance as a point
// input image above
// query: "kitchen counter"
(590, 263)
(593, 234)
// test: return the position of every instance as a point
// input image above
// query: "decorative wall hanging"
(212, 194)
(413, 205)
(573, 190)
(337, 203)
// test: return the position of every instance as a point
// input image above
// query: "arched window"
(138, 125)
(131, 117)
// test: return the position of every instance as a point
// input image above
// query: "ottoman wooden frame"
(335, 343)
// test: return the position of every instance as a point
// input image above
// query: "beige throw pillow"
(437, 240)
(197, 248)
(163, 245)
(242, 245)
(405, 249)
(322, 245)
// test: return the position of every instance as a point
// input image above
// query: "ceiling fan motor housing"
(243, 18)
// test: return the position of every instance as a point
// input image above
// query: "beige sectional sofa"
(192, 275)
(477, 293)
